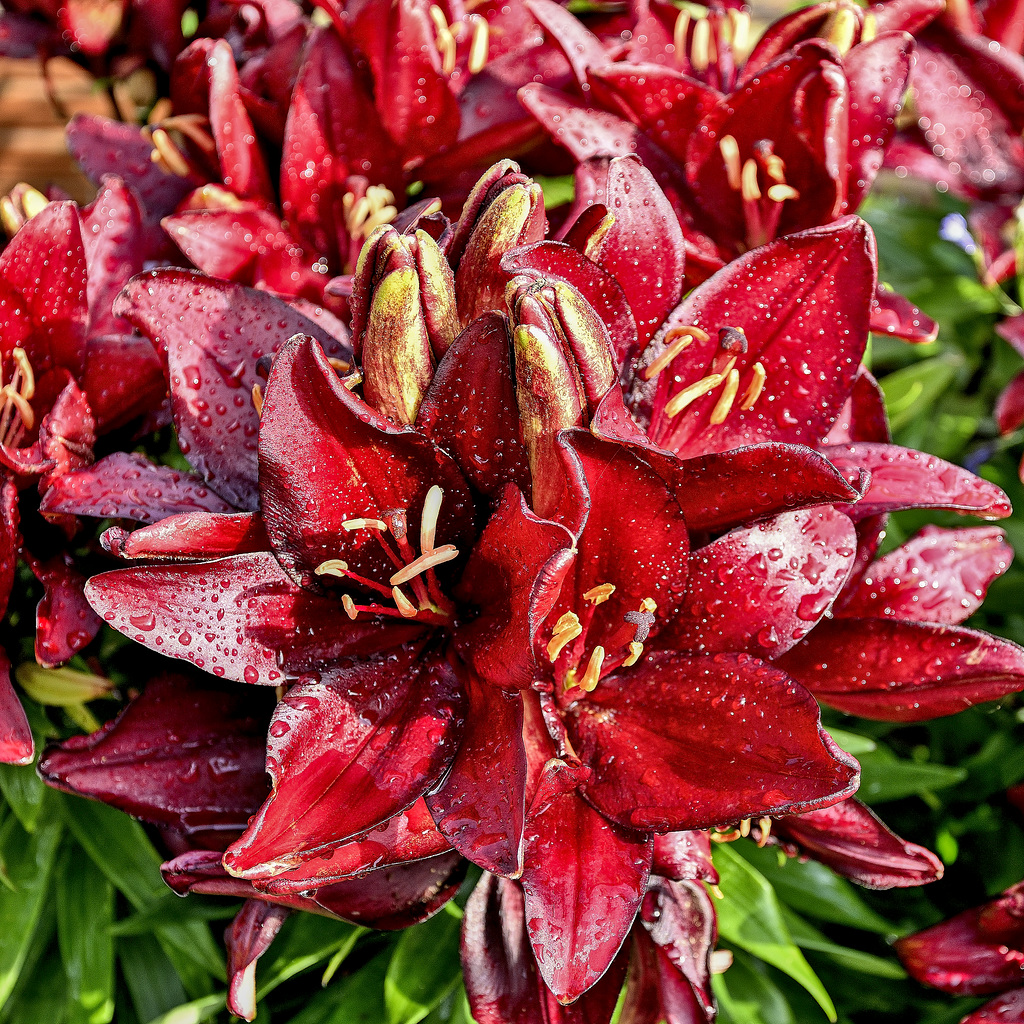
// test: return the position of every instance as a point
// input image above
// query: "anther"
(730, 151)
(636, 651)
(332, 567)
(728, 396)
(648, 605)
(720, 961)
(869, 29)
(565, 621)
(167, 153)
(445, 553)
(349, 605)
(690, 394)
(765, 826)
(700, 45)
(567, 628)
(780, 193)
(599, 594)
(748, 187)
(740, 23)
(405, 606)
(28, 417)
(715, 891)
(428, 521)
(755, 388)
(745, 828)
(775, 168)
(27, 388)
(257, 399)
(364, 524)
(732, 339)
(339, 365)
(682, 27)
(590, 678)
(682, 342)
(478, 47)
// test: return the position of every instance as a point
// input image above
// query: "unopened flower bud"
(60, 687)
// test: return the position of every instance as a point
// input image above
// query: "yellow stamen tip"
(648, 605)
(600, 593)
(428, 521)
(364, 524)
(590, 678)
(349, 605)
(332, 567)
(728, 396)
(405, 606)
(636, 651)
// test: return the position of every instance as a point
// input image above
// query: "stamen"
(690, 394)
(725, 837)
(700, 45)
(352, 381)
(728, 396)
(720, 961)
(740, 23)
(168, 153)
(33, 201)
(756, 387)
(478, 47)
(715, 891)
(28, 378)
(765, 825)
(599, 594)
(745, 828)
(590, 678)
(349, 605)
(748, 188)
(565, 621)
(869, 29)
(28, 417)
(775, 168)
(636, 651)
(405, 606)
(10, 218)
(780, 193)
(257, 399)
(730, 151)
(339, 365)
(364, 524)
(682, 27)
(332, 567)
(562, 637)
(445, 553)
(648, 605)
(679, 345)
(428, 521)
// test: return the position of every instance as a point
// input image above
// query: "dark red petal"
(67, 434)
(822, 281)
(904, 478)
(481, 805)
(407, 836)
(513, 576)
(906, 15)
(679, 743)
(123, 377)
(10, 539)
(684, 856)
(64, 621)
(581, 47)
(897, 317)
(183, 753)
(191, 536)
(16, 745)
(326, 457)
(656, 992)
(45, 261)
(863, 417)
(1009, 410)
(762, 588)
(231, 617)
(348, 752)
(247, 938)
(579, 910)
(470, 407)
(213, 334)
(897, 671)
(852, 841)
(939, 575)
(1005, 1009)
(128, 486)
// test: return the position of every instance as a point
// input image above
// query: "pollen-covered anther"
(649, 605)
(478, 47)
(257, 399)
(445, 553)
(755, 387)
(692, 392)
(729, 836)
(720, 961)
(167, 155)
(765, 827)
(599, 594)
(679, 33)
(332, 567)
(749, 189)
(700, 45)
(780, 193)
(444, 40)
(367, 213)
(739, 21)
(567, 628)
(728, 396)
(636, 652)
(775, 168)
(428, 520)
(676, 341)
(364, 524)
(340, 365)
(350, 606)
(405, 606)
(745, 828)
(730, 151)
(593, 673)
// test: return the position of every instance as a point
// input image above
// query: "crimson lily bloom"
(978, 952)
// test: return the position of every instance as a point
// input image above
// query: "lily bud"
(61, 687)
(504, 210)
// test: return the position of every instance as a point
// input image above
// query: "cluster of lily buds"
(543, 558)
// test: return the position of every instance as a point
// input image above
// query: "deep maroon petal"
(897, 671)
(666, 756)
(822, 281)
(762, 588)
(904, 478)
(481, 805)
(16, 745)
(470, 407)
(1009, 410)
(897, 317)
(407, 836)
(327, 458)
(128, 486)
(191, 536)
(64, 621)
(247, 938)
(851, 840)
(684, 856)
(581, 47)
(939, 575)
(123, 377)
(183, 754)
(213, 334)
(348, 752)
(10, 539)
(579, 910)
(1005, 1009)
(231, 617)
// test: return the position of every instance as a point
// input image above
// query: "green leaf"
(557, 191)
(28, 860)
(913, 390)
(85, 911)
(424, 969)
(358, 999)
(194, 1012)
(851, 742)
(747, 995)
(152, 981)
(304, 941)
(750, 917)
(43, 1000)
(811, 888)
(885, 777)
(808, 937)
(23, 790)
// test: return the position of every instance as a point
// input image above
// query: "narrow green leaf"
(808, 937)
(304, 941)
(747, 995)
(194, 1012)
(85, 911)
(44, 1000)
(885, 777)
(357, 999)
(851, 742)
(913, 390)
(28, 860)
(152, 981)
(424, 969)
(750, 917)
(23, 790)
